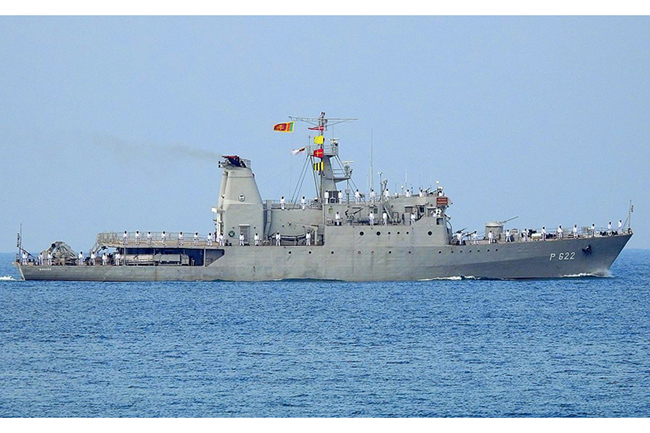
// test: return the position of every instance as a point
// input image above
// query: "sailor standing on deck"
(412, 218)
(544, 233)
(39, 260)
(371, 218)
(508, 235)
(337, 219)
(257, 240)
(575, 230)
(609, 228)
(137, 237)
(372, 195)
(620, 227)
(303, 202)
(282, 201)
(118, 256)
(459, 235)
(196, 238)
(163, 237)
(92, 258)
(384, 218)
(104, 259)
(125, 238)
(180, 238)
(241, 239)
(386, 193)
(81, 258)
(357, 196)
(209, 239)
(593, 230)
(49, 258)
(327, 196)
(277, 239)
(149, 238)
(308, 238)
(490, 237)
(24, 262)
(525, 235)
(560, 232)
(474, 238)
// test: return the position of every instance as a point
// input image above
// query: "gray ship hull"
(351, 256)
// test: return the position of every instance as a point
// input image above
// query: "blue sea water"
(576, 347)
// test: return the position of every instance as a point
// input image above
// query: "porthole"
(429, 232)
(496, 249)
(289, 252)
(331, 252)
(488, 251)
(360, 233)
(407, 232)
(439, 252)
(310, 252)
(358, 252)
(388, 232)
(378, 233)
(397, 233)
(390, 252)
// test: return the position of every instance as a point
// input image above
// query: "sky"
(117, 123)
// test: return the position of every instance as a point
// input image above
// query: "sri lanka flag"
(284, 127)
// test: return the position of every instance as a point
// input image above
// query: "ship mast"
(320, 124)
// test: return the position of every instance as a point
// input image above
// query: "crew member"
(412, 218)
(49, 258)
(386, 193)
(474, 238)
(609, 228)
(303, 202)
(125, 238)
(337, 219)
(282, 201)
(508, 235)
(372, 195)
(620, 227)
(209, 239)
(163, 237)
(575, 230)
(81, 257)
(40, 259)
(593, 230)
(308, 238)
(196, 238)
(257, 240)
(544, 233)
(118, 256)
(137, 237)
(525, 235)
(241, 239)
(149, 238)
(490, 237)
(92, 258)
(371, 218)
(277, 239)
(104, 259)
(357, 196)
(24, 258)
(407, 193)
(384, 217)
(459, 235)
(559, 231)
(180, 238)
(222, 240)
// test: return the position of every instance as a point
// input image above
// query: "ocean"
(576, 347)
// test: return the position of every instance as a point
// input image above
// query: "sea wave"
(454, 278)
(7, 278)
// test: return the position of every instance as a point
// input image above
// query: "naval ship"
(337, 234)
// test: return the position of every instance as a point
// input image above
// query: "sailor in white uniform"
(149, 238)
(474, 238)
(575, 230)
(104, 259)
(180, 238)
(372, 195)
(384, 217)
(508, 235)
(92, 258)
(125, 238)
(407, 193)
(337, 219)
(544, 233)
(282, 202)
(371, 218)
(609, 228)
(490, 237)
(308, 238)
(560, 232)
(525, 235)
(163, 237)
(196, 238)
(386, 193)
(118, 256)
(222, 240)
(620, 227)
(24, 258)
(277, 239)
(412, 218)
(49, 258)
(241, 239)
(357, 196)
(459, 235)
(81, 258)
(257, 240)
(303, 202)
(209, 239)
(593, 230)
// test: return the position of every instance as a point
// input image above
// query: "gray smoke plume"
(124, 148)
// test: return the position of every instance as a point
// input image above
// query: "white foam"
(7, 278)
(454, 278)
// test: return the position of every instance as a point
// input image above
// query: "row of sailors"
(371, 219)
(210, 238)
(559, 233)
(358, 197)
